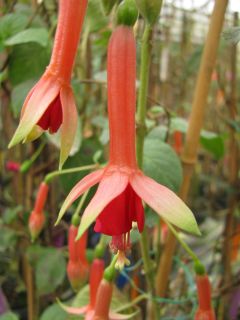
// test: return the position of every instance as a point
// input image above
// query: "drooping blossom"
(96, 274)
(122, 185)
(205, 310)
(100, 297)
(50, 104)
(77, 267)
(37, 218)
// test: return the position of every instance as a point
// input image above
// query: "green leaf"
(8, 239)
(27, 61)
(9, 316)
(162, 163)
(54, 312)
(95, 22)
(10, 214)
(50, 267)
(38, 35)
(213, 143)
(179, 124)
(10, 24)
(19, 94)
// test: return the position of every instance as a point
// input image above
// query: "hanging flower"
(50, 104)
(37, 218)
(205, 310)
(122, 185)
(96, 274)
(77, 267)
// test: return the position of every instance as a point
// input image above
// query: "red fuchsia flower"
(37, 218)
(96, 274)
(13, 166)
(50, 104)
(205, 310)
(77, 267)
(122, 185)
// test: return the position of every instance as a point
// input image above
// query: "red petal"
(118, 215)
(111, 186)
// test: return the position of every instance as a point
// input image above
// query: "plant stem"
(81, 203)
(56, 173)
(143, 91)
(189, 154)
(141, 131)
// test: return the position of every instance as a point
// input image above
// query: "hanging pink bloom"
(77, 267)
(96, 274)
(50, 104)
(122, 185)
(37, 218)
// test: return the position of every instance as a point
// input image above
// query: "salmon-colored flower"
(122, 185)
(77, 267)
(205, 310)
(96, 274)
(50, 104)
(37, 218)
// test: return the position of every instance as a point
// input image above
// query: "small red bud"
(96, 275)
(35, 224)
(103, 300)
(77, 274)
(178, 143)
(41, 197)
(13, 166)
(205, 310)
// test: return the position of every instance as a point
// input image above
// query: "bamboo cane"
(233, 177)
(189, 154)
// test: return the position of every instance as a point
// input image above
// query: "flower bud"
(204, 311)
(35, 224)
(103, 300)
(41, 197)
(77, 274)
(12, 166)
(127, 13)
(149, 9)
(96, 275)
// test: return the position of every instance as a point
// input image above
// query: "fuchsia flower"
(122, 185)
(37, 218)
(77, 267)
(13, 166)
(50, 104)
(96, 274)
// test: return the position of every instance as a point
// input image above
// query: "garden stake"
(232, 176)
(189, 154)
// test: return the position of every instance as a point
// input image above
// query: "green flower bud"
(127, 13)
(149, 9)
(107, 6)
(109, 273)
